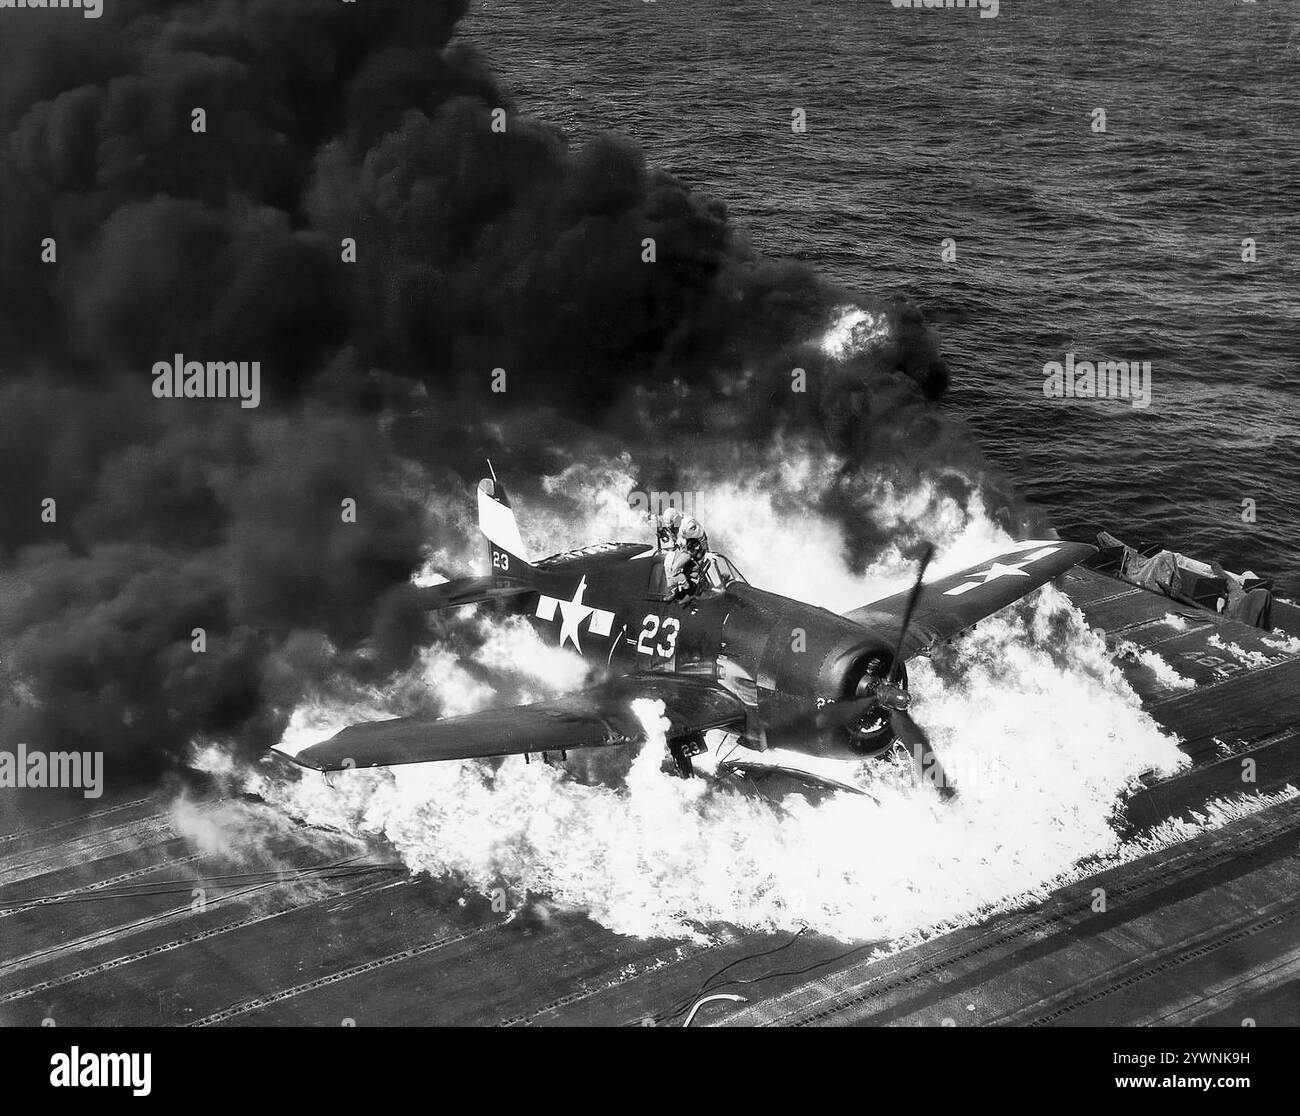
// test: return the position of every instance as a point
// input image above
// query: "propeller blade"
(926, 759)
(896, 670)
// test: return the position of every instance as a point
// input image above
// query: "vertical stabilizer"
(496, 519)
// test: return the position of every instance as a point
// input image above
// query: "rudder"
(496, 519)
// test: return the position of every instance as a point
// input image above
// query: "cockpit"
(717, 573)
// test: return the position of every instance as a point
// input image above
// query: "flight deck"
(110, 916)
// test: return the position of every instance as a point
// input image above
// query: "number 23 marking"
(653, 625)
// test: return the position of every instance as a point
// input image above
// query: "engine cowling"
(855, 678)
(802, 657)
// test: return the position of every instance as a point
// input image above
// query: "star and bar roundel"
(572, 615)
(1000, 569)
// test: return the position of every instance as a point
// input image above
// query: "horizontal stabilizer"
(471, 590)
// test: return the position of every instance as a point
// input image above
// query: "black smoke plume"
(476, 249)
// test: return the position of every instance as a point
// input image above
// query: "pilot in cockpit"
(667, 524)
(685, 566)
(692, 539)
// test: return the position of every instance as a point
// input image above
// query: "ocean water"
(930, 124)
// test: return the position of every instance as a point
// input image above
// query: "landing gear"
(680, 751)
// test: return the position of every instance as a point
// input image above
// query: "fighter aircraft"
(773, 676)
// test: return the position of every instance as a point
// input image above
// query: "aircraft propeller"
(889, 694)
(897, 700)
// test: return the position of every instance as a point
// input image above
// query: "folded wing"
(596, 718)
(952, 604)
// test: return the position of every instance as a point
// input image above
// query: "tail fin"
(496, 519)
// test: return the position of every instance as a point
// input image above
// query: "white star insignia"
(572, 615)
(1000, 569)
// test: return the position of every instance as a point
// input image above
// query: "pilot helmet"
(671, 517)
(691, 528)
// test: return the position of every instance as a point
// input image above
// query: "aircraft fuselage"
(609, 604)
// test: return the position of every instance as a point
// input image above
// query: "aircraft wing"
(470, 590)
(952, 604)
(594, 718)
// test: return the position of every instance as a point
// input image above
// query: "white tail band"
(497, 522)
